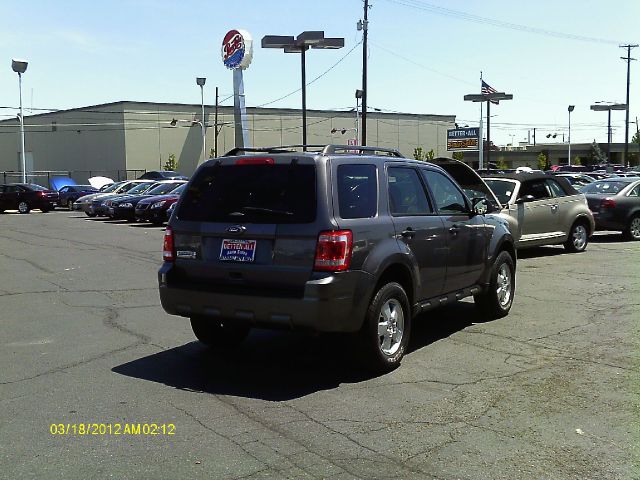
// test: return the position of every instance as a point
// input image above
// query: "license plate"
(233, 250)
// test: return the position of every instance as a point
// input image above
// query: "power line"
(460, 15)
(312, 81)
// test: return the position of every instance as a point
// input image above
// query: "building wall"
(112, 138)
(88, 142)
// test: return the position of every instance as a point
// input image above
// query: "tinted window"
(139, 188)
(448, 198)
(252, 194)
(406, 193)
(556, 190)
(502, 189)
(36, 187)
(357, 191)
(607, 187)
(162, 189)
(635, 192)
(536, 188)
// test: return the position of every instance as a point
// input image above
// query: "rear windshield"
(251, 194)
(36, 187)
(607, 187)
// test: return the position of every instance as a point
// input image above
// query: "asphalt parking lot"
(551, 391)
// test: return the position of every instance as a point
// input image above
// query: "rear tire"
(578, 237)
(24, 207)
(384, 336)
(89, 214)
(70, 204)
(632, 232)
(219, 334)
(496, 301)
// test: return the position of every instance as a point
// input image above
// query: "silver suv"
(335, 239)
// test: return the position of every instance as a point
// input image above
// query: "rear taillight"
(41, 194)
(168, 254)
(256, 161)
(333, 251)
(607, 203)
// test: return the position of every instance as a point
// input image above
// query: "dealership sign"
(462, 139)
(237, 49)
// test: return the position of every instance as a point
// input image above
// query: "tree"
(171, 164)
(577, 160)
(458, 156)
(420, 154)
(501, 164)
(597, 157)
(542, 161)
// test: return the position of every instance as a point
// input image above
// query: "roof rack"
(322, 149)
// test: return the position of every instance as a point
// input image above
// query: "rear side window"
(357, 191)
(536, 188)
(556, 189)
(251, 194)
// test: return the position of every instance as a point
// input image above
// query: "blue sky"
(424, 56)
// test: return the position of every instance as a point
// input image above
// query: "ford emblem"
(237, 229)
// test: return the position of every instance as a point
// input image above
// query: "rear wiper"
(266, 210)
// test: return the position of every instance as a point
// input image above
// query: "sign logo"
(237, 49)
(462, 139)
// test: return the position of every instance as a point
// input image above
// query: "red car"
(25, 196)
(154, 209)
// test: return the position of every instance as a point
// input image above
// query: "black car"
(70, 193)
(330, 241)
(162, 175)
(25, 196)
(615, 203)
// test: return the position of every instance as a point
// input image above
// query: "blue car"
(70, 193)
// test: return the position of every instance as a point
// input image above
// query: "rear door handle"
(408, 233)
(554, 207)
(454, 230)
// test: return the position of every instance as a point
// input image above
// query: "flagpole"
(480, 136)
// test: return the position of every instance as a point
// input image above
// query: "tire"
(219, 334)
(384, 337)
(24, 207)
(496, 301)
(89, 214)
(45, 209)
(632, 231)
(578, 237)
(70, 204)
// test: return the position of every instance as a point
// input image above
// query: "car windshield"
(605, 187)
(110, 188)
(36, 187)
(85, 188)
(502, 188)
(179, 190)
(140, 188)
(162, 189)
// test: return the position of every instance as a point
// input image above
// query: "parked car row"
(141, 200)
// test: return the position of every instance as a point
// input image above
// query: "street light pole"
(487, 97)
(300, 44)
(20, 66)
(608, 107)
(570, 109)
(201, 81)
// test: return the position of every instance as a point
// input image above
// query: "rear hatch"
(472, 184)
(248, 225)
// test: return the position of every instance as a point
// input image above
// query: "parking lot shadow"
(607, 237)
(280, 365)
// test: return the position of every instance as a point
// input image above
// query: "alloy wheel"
(504, 285)
(390, 326)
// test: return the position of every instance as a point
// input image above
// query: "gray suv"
(333, 239)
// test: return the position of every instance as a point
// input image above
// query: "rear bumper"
(336, 303)
(608, 221)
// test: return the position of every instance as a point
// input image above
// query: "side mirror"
(479, 205)
(525, 199)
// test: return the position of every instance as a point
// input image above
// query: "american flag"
(487, 89)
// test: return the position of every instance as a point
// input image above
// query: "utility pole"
(626, 125)
(215, 136)
(365, 29)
